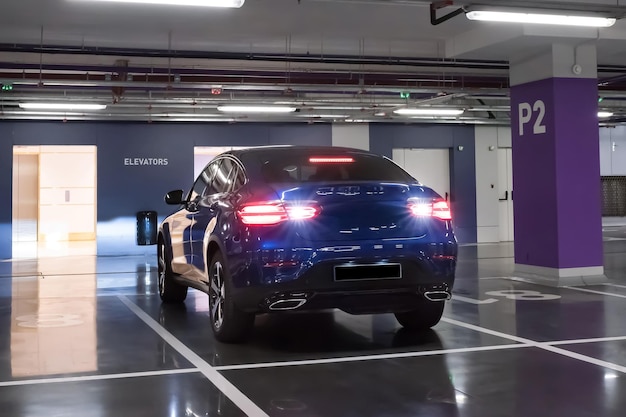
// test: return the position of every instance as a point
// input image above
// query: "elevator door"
(25, 196)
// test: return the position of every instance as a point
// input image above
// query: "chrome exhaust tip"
(437, 295)
(288, 304)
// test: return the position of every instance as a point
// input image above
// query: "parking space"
(107, 340)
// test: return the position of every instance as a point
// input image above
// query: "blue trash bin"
(146, 228)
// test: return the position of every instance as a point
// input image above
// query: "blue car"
(290, 228)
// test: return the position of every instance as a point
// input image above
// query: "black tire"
(229, 324)
(169, 290)
(426, 315)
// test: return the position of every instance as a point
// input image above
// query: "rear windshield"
(285, 167)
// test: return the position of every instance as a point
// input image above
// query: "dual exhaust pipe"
(287, 304)
(295, 303)
(437, 295)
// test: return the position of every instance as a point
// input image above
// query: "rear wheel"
(229, 324)
(169, 290)
(426, 315)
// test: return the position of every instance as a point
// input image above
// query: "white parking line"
(539, 345)
(368, 357)
(484, 278)
(225, 386)
(473, 300)
(97, 377)
(580, 341)
(596, 292)
(616, 285)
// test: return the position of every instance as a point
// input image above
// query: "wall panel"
(460, 140)
(137, 164)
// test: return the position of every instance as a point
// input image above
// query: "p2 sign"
(528, 113)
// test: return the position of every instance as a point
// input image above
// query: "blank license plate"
(367, 272)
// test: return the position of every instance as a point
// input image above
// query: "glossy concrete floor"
(87, 336)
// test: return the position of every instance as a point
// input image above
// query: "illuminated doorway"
(54, 201)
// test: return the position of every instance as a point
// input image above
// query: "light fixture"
(540, 18)
(604, 114)
(62, 106)
(428, 111)
(338, 107)
(326, 116)
(256, 109)
(199, 3)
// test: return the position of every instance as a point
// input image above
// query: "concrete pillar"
(556, 167)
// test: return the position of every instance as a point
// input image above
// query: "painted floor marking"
(485, 278)
(368, 357)
(225, 386)
(596, 292)
(84, 378)
(616, 285)
(539, 345)
(472, 300)
(580, 341)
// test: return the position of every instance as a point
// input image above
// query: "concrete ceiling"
(375, 44)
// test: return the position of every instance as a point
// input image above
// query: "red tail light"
(433, 208)
(331, 160)
(270, 213)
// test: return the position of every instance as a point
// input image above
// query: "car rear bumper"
(306, 278)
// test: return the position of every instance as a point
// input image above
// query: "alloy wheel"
(161, 269)
(217, 294)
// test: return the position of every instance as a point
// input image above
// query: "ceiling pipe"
(184, 119)
(255, 56)
(313, 88)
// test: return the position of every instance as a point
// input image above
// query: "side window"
(222, 181)
(202, 185)
(239, 178)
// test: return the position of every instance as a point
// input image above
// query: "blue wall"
(384, 138)
(124, 189)
(6, 191)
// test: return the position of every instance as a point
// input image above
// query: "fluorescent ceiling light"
(547, 19)
(428, 112)
(256, 109)
(339, 107)
(62, 106)
(604, 114)
(326, 116)
(199, 3)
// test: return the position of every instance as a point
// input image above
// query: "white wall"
(486, 184)
(67, 197)
(488, 140)
(351, 135)
(613, 151)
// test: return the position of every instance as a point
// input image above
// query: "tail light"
(270, 213)
(331, 160)
(438, 208)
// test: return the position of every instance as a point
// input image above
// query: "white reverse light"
(62, 106)
(428, 112)
(604, 114)
(199, 3)
(546, 19)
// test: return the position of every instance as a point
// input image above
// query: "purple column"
(556, 181)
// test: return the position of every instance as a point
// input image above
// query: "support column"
(556, 167)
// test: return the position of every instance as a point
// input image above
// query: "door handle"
(506, 196)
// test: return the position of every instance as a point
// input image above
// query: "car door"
(182, 225)
(180, 229)
(209, 207)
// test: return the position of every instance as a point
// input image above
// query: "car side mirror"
(175, 197)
